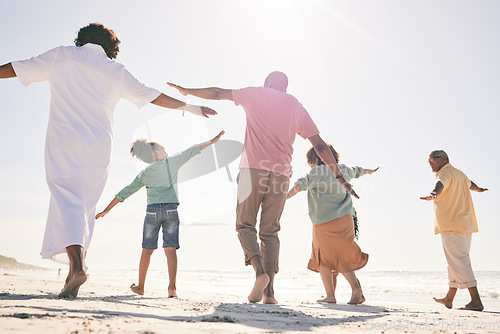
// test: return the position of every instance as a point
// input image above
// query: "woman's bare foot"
(476, 306)
(269, 300)
(172, 293)
(258, 288)
(72, 286)
(357, 297)
(444, 301)
(137, 289)
(330, 300)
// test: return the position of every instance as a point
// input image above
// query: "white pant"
(456, 249)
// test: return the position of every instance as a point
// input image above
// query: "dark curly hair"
(313, 158)
(97, 33)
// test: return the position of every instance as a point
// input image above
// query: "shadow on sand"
(266, 317)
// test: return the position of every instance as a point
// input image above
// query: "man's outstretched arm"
(210, 93)
(326, 155)
(7, 71)
(475, 187)
(438, 188)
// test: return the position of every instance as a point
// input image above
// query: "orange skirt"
(333, 246)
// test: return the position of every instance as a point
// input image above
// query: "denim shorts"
(162, 215)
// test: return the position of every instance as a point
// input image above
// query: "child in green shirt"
(160, 179)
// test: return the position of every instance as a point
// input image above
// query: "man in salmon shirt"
(273, 119)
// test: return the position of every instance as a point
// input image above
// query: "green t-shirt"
(327, 199)
(160, 178)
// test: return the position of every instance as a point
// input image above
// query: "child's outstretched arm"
(211, 141)
(108, 208)
(295, 189)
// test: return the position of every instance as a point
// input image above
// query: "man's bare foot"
(137, 289)
(258, 288)
(330, 300)
(444, 301)
(357, 297)
(269, 300)
(172, 293)
(72, 287)
(476, 306)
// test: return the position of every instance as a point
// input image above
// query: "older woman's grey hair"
(143, 150)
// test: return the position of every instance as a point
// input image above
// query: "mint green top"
(161, 187)
(326, 198)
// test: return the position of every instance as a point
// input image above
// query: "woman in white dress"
(85, 86)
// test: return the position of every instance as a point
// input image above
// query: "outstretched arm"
(326, 155)
(294, 191)
(108, 208)
(7, 71)
(435, 193)
(474, 187)
(169, 102)
(369, 171)
(210, 93)
(211, 141)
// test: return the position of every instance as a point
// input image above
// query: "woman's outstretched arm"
(7, 71)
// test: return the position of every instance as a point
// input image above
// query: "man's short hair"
(97, 33)
(440, 153)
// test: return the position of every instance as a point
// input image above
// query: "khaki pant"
(266, 190)
(456, 249)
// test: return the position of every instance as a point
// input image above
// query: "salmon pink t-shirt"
(273, 119)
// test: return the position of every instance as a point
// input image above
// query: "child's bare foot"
(269, 300)
(330, 300)
(73, 285)
(444, 301)
(357, 297)
(476, 306)
(258, 288)
(172, 293)
(137, 289)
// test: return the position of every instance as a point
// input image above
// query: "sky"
(386, 82)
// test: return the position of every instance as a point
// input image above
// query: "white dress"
(85, 86)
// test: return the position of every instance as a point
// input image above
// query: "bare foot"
(444, 301)
(71, 288)
(258, 288)
(477, 306)
(357, 297)
(172, 293)
(270, 300)
(136, 289)
(330, 300)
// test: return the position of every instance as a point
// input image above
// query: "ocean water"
(379, 287)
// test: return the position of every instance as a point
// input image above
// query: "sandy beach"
(29, 304)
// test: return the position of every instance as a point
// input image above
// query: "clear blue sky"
(385, 81)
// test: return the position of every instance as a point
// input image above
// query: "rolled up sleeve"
(130, 189)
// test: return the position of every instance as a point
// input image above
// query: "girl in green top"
(160, 179)
(330, 209)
